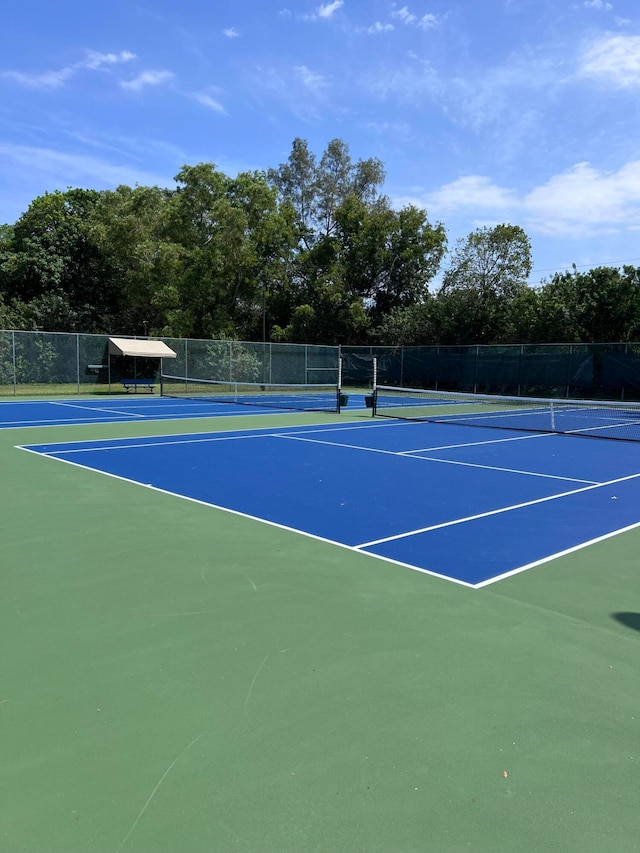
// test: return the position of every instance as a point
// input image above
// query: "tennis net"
(593, 418)
(311, 398)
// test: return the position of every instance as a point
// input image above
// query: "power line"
(590, 266)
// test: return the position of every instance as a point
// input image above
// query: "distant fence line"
(75, 363)
(605, 371)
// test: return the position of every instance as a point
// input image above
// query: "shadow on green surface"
(629, 620)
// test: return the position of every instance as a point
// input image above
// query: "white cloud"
(408, 18)
(61, 169)
(45, 80)
(378, 27)
(598, 4)
(56, 79)
(231, 33)
(209, 102)
(614, 60)
(147, 78)
(475, 191)
(96, 60)
(584, 200)
(404, 15)
(580, 202)
(428, 21)
(312, 80)
(326, 10)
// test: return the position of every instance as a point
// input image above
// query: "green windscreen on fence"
(71, 363)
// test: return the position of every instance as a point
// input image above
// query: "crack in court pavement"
(153, 793)
(255, 678)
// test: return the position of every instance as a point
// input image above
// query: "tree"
(130, 227)
(316, 190)
(600, 305)
(487, 270)
(53, 253)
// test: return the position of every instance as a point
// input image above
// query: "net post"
(374, 388)
(339, 386)
(553, 416)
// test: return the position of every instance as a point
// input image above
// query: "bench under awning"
(140, 349)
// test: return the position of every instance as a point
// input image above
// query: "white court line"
(240, 514)
(46, 422)
(299, 436)
(150, 441)
(358, 548)
(483, 442)
(499, 511)
(555, 556)
(97, 409)
(408, 454)
(116, 446)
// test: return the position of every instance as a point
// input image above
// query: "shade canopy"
(140, 349)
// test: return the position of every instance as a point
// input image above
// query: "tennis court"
(245, 636)
(327, 482)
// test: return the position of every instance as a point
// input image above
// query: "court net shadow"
(629, 620)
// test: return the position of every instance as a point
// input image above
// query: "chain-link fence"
(69, 363)
(593, 371)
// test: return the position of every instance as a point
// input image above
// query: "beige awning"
(142, 349)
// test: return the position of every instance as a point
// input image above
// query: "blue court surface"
(37, 413)
(471, 505)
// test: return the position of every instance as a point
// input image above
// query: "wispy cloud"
(409, 18)
(311, 80)
(301, 90)
(598, 4)
(614, 60)
(428, 22)
(326, 10)
(55, 79)
(62, 169)
(323, 12)
(208, 101)
(231, 33)
(379, 27)
(404, 15)
(96, 60)
(147, 78)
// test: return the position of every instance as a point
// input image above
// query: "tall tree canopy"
(311, 250)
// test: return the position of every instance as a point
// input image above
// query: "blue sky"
(483, 111)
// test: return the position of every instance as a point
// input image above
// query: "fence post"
(78, 361)
(13, 361)
(475, 370)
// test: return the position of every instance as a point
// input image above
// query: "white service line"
(408, 454)
(493, 512)
(97, 409)
(142, 444)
